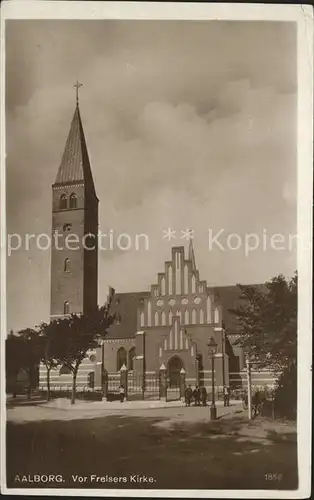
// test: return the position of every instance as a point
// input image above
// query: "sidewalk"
(64, 404)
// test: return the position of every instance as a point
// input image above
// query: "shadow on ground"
(230, 453)
(22, 401)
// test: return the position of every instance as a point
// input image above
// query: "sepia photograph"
(156, 223)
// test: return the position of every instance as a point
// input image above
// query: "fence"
(65, 391)
(139, 386)
(143, 386)
(173, 390)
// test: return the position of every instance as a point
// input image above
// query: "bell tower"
(74, 253)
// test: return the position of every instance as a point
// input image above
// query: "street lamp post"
(212, 349)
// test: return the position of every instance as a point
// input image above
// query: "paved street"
(177, 447)
(20, 411)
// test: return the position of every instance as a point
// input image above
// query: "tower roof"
(75, 165)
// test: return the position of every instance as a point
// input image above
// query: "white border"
(303, 16)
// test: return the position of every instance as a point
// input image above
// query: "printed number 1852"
(275, 476)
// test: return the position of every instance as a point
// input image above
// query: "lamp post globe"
(212, 349)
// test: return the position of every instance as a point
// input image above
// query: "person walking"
(256, 401)
(226, 396)
(188, 395)
(245, 399)
(197, 396)
(204, 396)
(122, 393)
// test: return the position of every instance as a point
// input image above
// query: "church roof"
(127, 305)
(75, 165)
(229, 297)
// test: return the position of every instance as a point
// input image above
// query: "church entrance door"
(173, 372)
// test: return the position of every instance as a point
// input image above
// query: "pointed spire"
(75, 165)
(191, 255)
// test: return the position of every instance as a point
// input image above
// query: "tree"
(13, 361)
(49, 351)
(267, 320)
(75, 335)
(23, 353)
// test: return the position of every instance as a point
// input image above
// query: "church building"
(168, 326)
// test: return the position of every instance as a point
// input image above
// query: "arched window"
(194, 317)
(202, 316)
(186, 317)
(193, 284)
(67, 265)
(63, 201)
(163, 318)
(73, 200)
(65, 370)
(131, 358)
(179, 313)
(216, 315)
(66, 307)
(163, 286)
(121, 358)
(170, 318)
(170, 280)
(149, 314)
(91, 380)
(142, 321)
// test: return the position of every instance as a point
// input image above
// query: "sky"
(189, 125)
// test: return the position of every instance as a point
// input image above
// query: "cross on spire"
(77, 85)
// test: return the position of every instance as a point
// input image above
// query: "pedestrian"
(188, 395)
(245, 400)
(122, 393)
(256, 401)
(204, 396)
(226, 395)
(197, 396)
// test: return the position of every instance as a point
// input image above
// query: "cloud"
(187, 125)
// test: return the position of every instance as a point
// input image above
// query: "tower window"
(63, 201)
(66, 307)
(73, 200)
(67, 265)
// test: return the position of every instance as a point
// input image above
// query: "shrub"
(286, 393)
